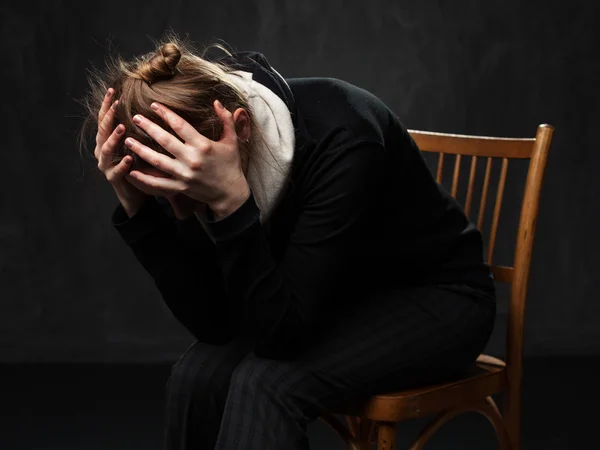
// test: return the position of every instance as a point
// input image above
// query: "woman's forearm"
(184, 270)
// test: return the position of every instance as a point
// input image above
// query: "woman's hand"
(131, 195)
(182, 205)
(107, 142)
(207, 171)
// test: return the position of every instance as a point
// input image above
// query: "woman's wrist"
(131, 202)
(231, 203)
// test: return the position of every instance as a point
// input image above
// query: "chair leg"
(386, 436)
(511, 409)
(486, 407)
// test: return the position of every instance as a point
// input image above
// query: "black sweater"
(361, 213)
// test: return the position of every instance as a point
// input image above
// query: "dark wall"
(71, 290)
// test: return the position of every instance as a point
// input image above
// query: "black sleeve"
(182, 260)
(283, 302)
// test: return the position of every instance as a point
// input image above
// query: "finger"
(142, 187)
(105, 127)
(105, 104)
(162, 137)
(179, 125)
(226, 117)
(169, 186)
(120, 170)
(162, 162)
(109, 148)
(147, 189)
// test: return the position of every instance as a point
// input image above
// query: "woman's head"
(176, 76)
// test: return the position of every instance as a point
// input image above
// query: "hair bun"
(162, 65)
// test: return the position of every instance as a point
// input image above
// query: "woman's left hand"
(204, 170)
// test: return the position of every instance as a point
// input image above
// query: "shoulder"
(330, 103)
(342, 164)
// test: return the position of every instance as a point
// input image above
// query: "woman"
(293, 227)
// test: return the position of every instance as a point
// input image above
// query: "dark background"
(70, 289)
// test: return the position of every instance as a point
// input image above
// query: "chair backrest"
(536, 151)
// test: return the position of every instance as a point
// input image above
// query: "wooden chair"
(375, 421)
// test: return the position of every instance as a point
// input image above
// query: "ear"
(241, 119)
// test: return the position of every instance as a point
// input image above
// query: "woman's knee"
(282, 385)
(256, 372)
(278, 379)
(202, 369)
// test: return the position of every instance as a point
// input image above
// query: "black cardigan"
(361, 213)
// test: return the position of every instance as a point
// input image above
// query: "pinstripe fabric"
(225, 397)
(196, 393)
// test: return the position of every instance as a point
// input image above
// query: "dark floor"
(118, 407)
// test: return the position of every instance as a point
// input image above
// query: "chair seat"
(487, 376)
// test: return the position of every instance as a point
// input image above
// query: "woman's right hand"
(107, 142)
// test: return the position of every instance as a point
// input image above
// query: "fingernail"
(120, 129)
(219, 104)
(109, 92)
(137, 119)
(154, 106)
(114, 105)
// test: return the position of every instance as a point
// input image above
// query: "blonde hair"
(176, 75)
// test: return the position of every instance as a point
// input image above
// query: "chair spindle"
(497, 207)
(486, 184)
(470, 187)
(440, 167)
(456, 175)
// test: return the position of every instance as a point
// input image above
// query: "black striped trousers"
(225, 397)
